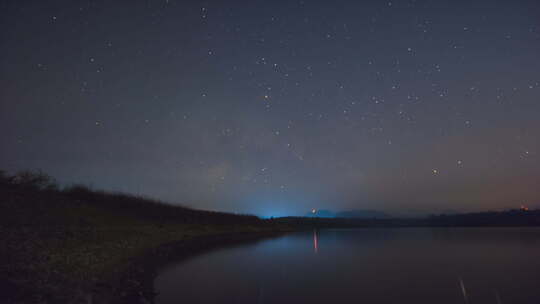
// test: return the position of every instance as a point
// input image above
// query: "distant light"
(314, 211)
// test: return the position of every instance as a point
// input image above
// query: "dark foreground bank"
(76, 245)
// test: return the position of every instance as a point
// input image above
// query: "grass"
(59, 243)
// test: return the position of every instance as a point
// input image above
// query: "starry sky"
(277, 107)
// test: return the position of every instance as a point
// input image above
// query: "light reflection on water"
(315, 242)
(410, 265)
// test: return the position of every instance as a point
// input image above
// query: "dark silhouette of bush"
(4, 179)
(29, 180)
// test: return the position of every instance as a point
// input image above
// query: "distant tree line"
(508, 218)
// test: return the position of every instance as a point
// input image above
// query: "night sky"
(277, 107)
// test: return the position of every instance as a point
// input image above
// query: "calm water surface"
(410, 265)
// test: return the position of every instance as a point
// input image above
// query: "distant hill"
(510, 218)
(358, 213)
(363, 214)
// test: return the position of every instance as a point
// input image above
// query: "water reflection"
(470, 265)
(315, 241)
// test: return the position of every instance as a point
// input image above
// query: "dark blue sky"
(276, 107)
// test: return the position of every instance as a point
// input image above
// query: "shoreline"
(128, 278)
(135, 284)
(79, 245)
(39, 268)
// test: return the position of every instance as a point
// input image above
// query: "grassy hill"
(59, 243)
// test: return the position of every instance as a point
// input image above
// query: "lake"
(407, 265)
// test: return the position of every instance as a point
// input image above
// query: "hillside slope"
(57, 244)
